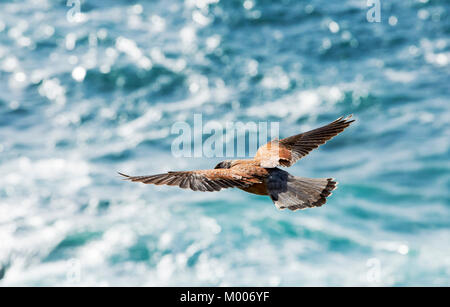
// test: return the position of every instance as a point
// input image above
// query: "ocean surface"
(94, 87)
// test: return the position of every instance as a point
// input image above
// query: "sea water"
(94, 87)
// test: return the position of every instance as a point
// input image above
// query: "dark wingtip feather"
(127, 177)
(348, 119)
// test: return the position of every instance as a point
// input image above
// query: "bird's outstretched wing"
(286, 152)
(200, 180)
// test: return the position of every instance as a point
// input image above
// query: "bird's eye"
(220, 165)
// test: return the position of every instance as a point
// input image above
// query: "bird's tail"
(301, 193)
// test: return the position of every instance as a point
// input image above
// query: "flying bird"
(261, 174)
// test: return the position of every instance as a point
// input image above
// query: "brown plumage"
(260, 175)
(286, 152)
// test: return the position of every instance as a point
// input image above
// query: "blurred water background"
(85, 95)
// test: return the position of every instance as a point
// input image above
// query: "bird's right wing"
(286, 152)
(201, 180)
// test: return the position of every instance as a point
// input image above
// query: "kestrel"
(261, 175)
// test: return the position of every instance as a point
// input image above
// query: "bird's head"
(224, 164)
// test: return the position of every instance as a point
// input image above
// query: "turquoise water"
(81, 100)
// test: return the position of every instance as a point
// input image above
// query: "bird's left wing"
(201, 180)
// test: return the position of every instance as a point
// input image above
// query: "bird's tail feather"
(302, 193)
